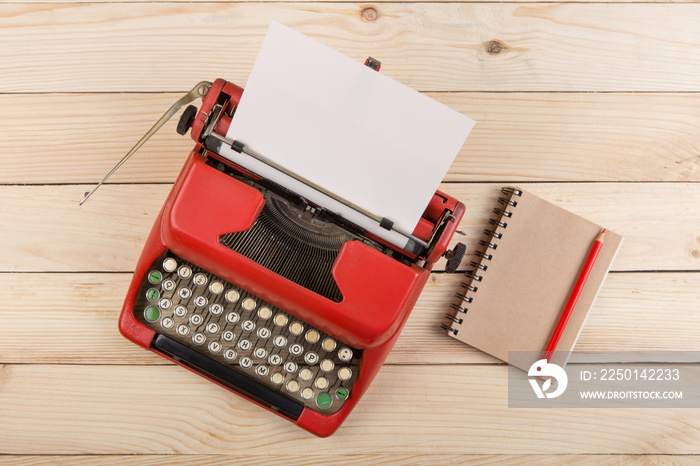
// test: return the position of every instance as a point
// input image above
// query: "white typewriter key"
(165, 304)
(344, 374)
(249, 304)
(200, 279)
(184, 272)
(264, 313)
(232, 296)
(280, 320)
(214, 346)
(295, 328)
(230, 354)
(327, 365)
(290, 367)
(168, 285)
(292, 386)
(180, 311)
(182, 330)
(245, 344)
(228, 336)
(198, 338)
(216, 309)
(277, 378)
(246, 362)
(200, 301)
(169, 264)
(312, 336)
(184, 293)
(321, 383)
(212, 327)
(262, 370)
(248, 325)
(306, 375)
(329, 344)
(264, 333)
(167, 323)
(311, 358)
(296, 349)
(345, 354)
(216, 287)
(307, 393)
(280, 341)
(275, 360)
(260, 353)
(196, 319)
(232, 317)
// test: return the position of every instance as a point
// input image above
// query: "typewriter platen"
(269, 294)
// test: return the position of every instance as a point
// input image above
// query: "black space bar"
(228, 377)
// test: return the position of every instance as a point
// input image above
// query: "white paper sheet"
(347, 128)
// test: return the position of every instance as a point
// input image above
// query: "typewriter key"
(198, 338)
(327, 365)
(321, 383)
(311, 358)
(260, 353)
(245, 344)
(200, 301)
(184, 272)
(152, 295)
(216, 287)
(151, 314)
(329, 344)
(169, 264)
(296, 349)
(295, 328)
(246, 362)
(248, 325)
(212, 327)
(275, 360)
(200, 279)
(277, 378)
(280, 341)
(249, 304)
(214, 346)
(264, 313)
(230, 354)
(155, 277)
(228, 336)
(324, 400)
(345, 354)
(167, 323)
(216, 309)
(307, 393)
(292, 386)
(312, 336)
(184, 293)
(344, 374)
(290, 367)
(306, 374)
(165, 304)
(232, 296)
(183, 330)
(264, 333)
(232, 317)
(196, 319)
(180, 311)
(280, 320)
(262, 370)
(168, 285)
(342, 393)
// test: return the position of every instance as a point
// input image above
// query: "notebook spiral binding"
(509, 204)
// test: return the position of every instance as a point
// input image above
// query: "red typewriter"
(265, 293)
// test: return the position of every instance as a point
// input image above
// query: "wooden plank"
(518, 136)
(408, 410)
(44, 228)
(72, 319)
(81, 47)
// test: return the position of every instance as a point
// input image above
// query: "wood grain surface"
(593, 105)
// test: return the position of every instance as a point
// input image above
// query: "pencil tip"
(601, 235)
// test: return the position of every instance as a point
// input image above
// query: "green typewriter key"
(342, 393)
(155, 277)
(151, 313)
(324, 400)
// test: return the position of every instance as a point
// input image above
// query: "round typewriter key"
(232, 317)
(324, 400)
(168, 285)
(246, 362)
(232, 296)
(260, 353)
(329, 344)
(184, 272)
(216, 287)
(248, 325)
(151, 314)
(295, 328)
(200, 301)
(184, 293)
(249, 304)
(321, 383)
(214, 346)
(307, 393)
(275, 360)
(292, 386)
(152, 295)
(311, 358)
(200, 279)
(262, 370)
(344, 374)
(264, 333)
(280, 341)
(216, 309)
(296, 349)
(230, 354)
(198, 338)
(196, 319)
(165, 304)
(280, 320)
(182, 330)
(264, 313)
(245, 344)
(228, 335)
(327, 365)
(342, 393)
(169, 264)
(345, 354)
(180, 311)
(212, 327)
(290, 367)
(306, 375)
(277, 378)
(167, 323)
(312, 336)
(155, 277)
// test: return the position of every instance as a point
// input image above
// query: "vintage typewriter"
(266, 292)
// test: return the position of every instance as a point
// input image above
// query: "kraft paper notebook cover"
(523, 276)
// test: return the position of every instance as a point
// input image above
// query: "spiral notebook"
(522, 276)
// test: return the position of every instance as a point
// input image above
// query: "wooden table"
(594, 106)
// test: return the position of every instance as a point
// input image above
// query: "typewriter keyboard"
(244, 334)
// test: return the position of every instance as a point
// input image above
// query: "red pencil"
(573, 297)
